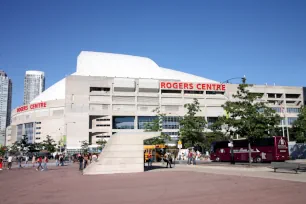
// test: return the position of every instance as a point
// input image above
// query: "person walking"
(56, 160)
(39, 161)
(81, 159)
(9, 162)
(149, 159)
(168, 159)
(26, 161)
(19, 159)
(33, 161)
(45, 162)
(1, 163)
(189, 157)
(194, 155)
(62, 160)
(85, 160)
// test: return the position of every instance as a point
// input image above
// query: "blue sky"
(262, 39)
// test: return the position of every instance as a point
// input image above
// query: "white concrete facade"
(96, 102)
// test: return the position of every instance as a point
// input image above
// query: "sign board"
(179, 142)
(180, 146)
(32, 106)
(192, 86)
(230, 144)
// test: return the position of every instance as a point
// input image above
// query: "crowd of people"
(190, 155)
(39, 161)
(85, 159)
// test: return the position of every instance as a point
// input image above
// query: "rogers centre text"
(192, 86)
(32, 106)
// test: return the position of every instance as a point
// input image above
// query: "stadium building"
(111, 93)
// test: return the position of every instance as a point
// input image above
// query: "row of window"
(289, 110)
(144, 122)
(103, 119)
(290, 121)
(107, 89)
(102, 125)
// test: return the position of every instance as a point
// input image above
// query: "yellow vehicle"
(157, 151)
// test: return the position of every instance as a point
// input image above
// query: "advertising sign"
(32, 106)
(192, 86)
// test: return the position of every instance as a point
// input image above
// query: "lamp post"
(66, 130)
(231, 144)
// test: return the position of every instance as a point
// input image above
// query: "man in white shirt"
(26, 161)
(9, 160)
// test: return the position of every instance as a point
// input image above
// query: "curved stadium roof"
(117, 65)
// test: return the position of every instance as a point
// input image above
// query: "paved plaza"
(182, 184)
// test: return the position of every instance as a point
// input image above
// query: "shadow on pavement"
(151, 168)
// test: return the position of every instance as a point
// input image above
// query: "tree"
(156, 126)
(101, 143)
(35, 147)
(49, 144)
(3, 150)
(14, 148)
(84, 146)
(299, 126)
(249, 117)
(191, 126)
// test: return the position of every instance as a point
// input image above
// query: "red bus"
(263, 150)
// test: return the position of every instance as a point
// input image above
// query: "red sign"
(32, 106)
(192, 86)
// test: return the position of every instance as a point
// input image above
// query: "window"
(193, 92)
(293, 110)
(171, 122)
(105, 89)
(144, 121)
(38, 128)
(29, 131)
(277, 109)
(102, 125)
(123, 122)
(214, 92)
(211, 120)
(291, 120)
(103, 119)
(37, 138)
(37, 133)
(292, 95)
(171, 91)
(172, 134)
(102, 136)
(38, 122)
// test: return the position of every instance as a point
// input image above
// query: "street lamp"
(66, 130)
(231, 144)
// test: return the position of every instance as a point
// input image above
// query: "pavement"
(181, 184)
(239, 170)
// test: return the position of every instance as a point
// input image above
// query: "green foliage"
(299, 126)
(247, 116)
(191, 126)
(48, 144)
(101, 143)
(35, 147)
(84, 146)
(156, 126)
(3, 150)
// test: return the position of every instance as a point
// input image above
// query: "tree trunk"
(250, 154)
